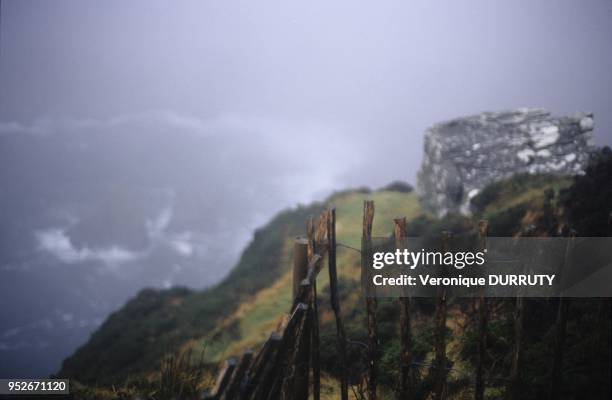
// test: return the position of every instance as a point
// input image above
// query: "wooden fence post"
(512, 392)
(321, 235)
(274, 381)
(314, 317)
(300, 262)
(560, 331)
(223, 379)
(310, 237)
(514, 380)
(371, 303)
(335, 303)
(281, 369)
(557, 367)
(440, 336)
(304, 294)
(406, 388)
(261, 366)
(295, 385)
(233, 386)
(483, 227)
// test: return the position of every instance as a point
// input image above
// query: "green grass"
(517, 190)
(388, 205)
(258, 317)
(241, 311)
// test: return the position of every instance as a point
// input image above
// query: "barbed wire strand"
(348, 247)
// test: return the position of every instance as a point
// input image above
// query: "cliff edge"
(464, 155)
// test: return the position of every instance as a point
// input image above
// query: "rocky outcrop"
(464, 155)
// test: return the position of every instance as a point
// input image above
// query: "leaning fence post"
(223, 379)
(371, 304)
(276, 377)
(335, 303)
(261, 366)
(300, 263)
(292, 366)
(440, 336)
(233, 386)
(483, 227)
(406, 387)
(298, 389)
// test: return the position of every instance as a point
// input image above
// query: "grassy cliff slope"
(241, 311)
(238, 312)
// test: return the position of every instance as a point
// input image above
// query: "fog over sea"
(142, 142)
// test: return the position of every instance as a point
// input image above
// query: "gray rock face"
(464, 155)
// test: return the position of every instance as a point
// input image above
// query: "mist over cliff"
(93, 213)
(142, 143)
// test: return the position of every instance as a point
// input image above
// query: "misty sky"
(372, 74)
(141, 142)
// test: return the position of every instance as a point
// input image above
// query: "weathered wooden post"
(321, 236)
(222, 379)
(560, 330)
(557, 367)
(512, 392)
(440, 336)
(260, 368)
(514, 380)
(371, 303)
(299, 365)
(406, 388)
(300, 262)
(314, 317)
(310, 237)
(304, 294)
(233, 386)
(335, 303)
(483, 227)
(279, 378)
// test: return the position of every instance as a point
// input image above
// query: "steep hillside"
(238, 312)
(241, 311)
